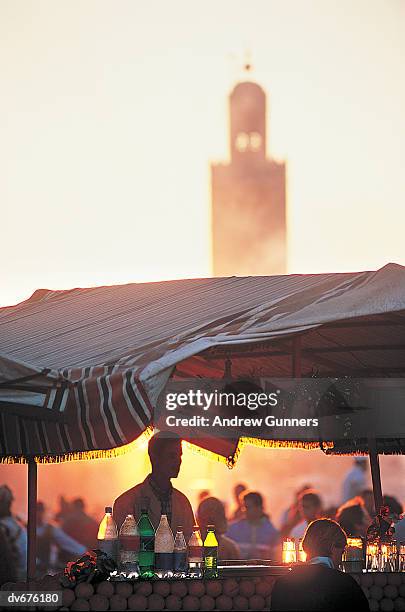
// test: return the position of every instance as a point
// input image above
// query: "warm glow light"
(115, 131)
(388, 557)
(354, 543)
(302, 555)
(372, 556)
(401, 560)
(289, 554)
(353, 559)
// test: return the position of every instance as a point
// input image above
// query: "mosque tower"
(248, 194)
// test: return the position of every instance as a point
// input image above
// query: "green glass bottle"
(146, 557)
(210, 553)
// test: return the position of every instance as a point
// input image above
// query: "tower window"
(255, 141)
(242, 142)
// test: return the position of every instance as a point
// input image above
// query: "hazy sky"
(111, 110)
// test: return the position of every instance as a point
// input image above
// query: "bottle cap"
(108, 509)
(211, 527)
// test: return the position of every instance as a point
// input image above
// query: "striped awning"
(106, 353)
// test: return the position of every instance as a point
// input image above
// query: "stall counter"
(237, 590)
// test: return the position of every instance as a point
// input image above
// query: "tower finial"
(247, 66)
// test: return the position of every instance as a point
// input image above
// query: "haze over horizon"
(112, 113)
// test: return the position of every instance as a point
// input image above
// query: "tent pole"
(296, 357)
(32, 519)
(375, 474)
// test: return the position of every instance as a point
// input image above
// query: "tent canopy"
(117, 346)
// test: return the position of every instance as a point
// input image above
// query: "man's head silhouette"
(165, 453)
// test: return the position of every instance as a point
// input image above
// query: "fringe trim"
(204, 452)
(139, 442)
(259, 442)
(302, 444)
(279, 444)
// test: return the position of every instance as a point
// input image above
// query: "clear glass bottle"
(164, 545)
(180, 551)
(195, 553)
(107, 536)
(129, 545)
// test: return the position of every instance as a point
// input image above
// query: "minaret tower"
(248, 194)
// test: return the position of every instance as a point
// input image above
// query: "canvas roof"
(113, 349)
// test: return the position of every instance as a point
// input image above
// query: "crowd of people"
(247, 531)
(67, 536)
(250, 533)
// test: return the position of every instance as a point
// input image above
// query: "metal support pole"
(32, 519)
(375, 474)
(296, 357)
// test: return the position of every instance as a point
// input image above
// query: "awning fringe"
(259, 442)
(84, 455)
(277, 444)
(204, 452)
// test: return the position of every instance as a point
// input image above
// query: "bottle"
(180, 551)
(146, 555)
(195, 552)
(164, 545)
(210, 553)
(129, 545)
(107, 536)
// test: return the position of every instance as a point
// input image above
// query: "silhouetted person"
(64, 510)
(396, 511)
(80, 526)
(368, 497)
(14, 533)
(8, 565)
(394, 506)
(203, 495)
(54, 547)
(238, 491)
(292, 516)
(318, 584)
(165, 453)
(310, 508)
(353, 517)
(355, 481)
(255, 534)
(211, 511)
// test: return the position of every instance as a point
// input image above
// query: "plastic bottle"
(164, 545)
(107, 536)
(180, 551)
(210, 553)
(129, 545)
(195, 552)
(146, 555)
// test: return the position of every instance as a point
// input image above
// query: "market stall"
(108, 352)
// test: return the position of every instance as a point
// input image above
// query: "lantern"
(289, 552)
(401, 560)
(353, 559)
(372, 556)
(388, 561)
(302, 555)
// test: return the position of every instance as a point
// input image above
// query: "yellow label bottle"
(210, 553)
